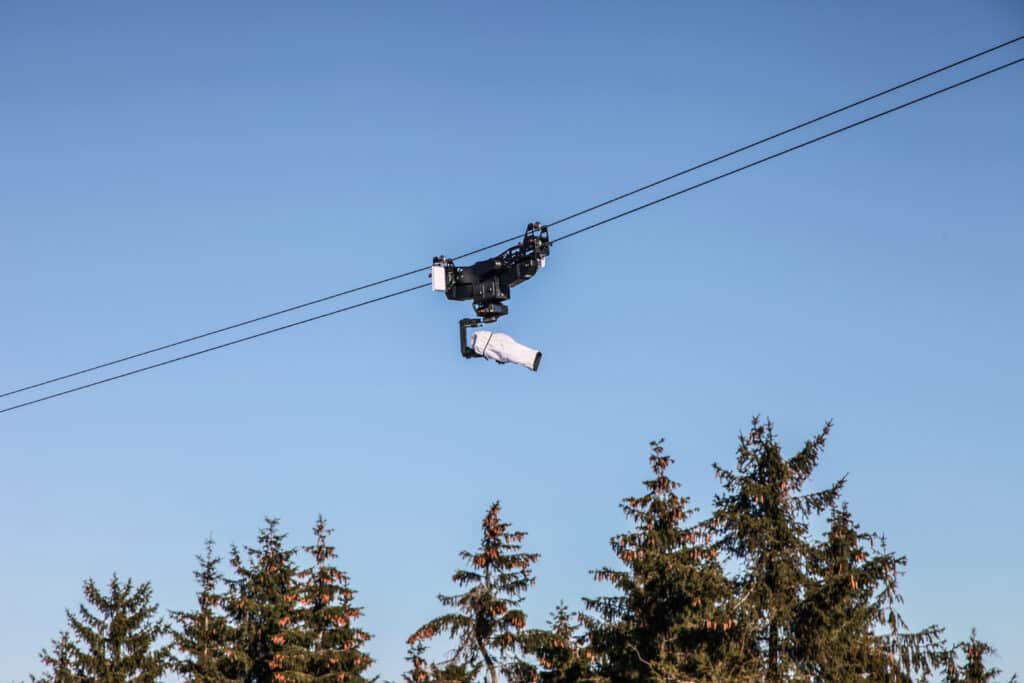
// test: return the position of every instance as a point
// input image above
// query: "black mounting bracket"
(467, 351)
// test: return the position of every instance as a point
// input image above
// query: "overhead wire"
(250, 321)
(571, 216)
(200, 352)
(568, 235)
(783, 152)
(787, 131)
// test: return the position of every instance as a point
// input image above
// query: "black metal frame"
(489, 283)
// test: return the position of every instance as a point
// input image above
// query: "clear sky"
(167, 169)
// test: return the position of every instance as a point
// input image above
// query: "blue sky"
(168, 170)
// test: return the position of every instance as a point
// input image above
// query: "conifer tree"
(416, 656)
(455, 672)
(116, 638)
(911, 655)
(967, 662)
(261, 604)
(204, 634)
(425, 672)
(334, 645)
(487, 623)
(59, 664)
(846, 627)
(669, 618)
(761, 521)
(562, 649)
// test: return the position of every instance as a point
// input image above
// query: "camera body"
(496, 346)
(504, 349)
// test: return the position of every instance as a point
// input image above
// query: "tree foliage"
(423, 671)
(60, 663)
(760, 520)
(670, 616)
(968, 662)
(562, 650)
(846, 626)
(747, 595)
(331, 641)
(204, 636)
(486, 622)
(261, 603)
(114, 637)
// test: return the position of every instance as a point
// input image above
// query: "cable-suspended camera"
(488, 284)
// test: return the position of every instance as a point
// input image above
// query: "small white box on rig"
(437, 277)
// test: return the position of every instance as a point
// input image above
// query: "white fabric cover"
(505, 349)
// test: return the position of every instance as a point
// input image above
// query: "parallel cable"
(558, 239)
(792, 129)
(760, 161)
(617, 198)
(250, 321)
(212, 348)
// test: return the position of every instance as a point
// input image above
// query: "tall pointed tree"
(117, 635)
(261, 604)
(334, 644)
(416, 656)
(846, 627)
(203, 636)
(669, 617)
(487, 622)
(561, 649)
(968, 662)
(912, 655)
(423, 671)
(761, 521)
(60, 665)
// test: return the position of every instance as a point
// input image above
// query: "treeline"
(746, 594)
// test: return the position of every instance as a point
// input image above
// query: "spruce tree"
(561, 650)
(487, 623)
(261, 604)
(416, 656)
(669, 618)
(761, 521)
(425, 672)
(60, 666)
(967, 662)
(334, 645)
(116, 635)
(204, 635)
(846, 627)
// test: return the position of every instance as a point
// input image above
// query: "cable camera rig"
(488, 283)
